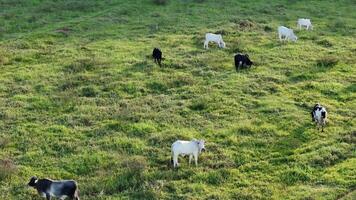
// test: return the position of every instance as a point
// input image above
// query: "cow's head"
(248, 61)
(33, 181)
(201, 145)
(222, 44)
(293, 37)
(316, 106)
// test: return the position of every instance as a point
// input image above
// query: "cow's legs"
(190, 158)
(76, 195)
(322, 126)
(206, 44)
(48, 196)
(175, 160)
(196, 159)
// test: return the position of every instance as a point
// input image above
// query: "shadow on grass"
(286, 145)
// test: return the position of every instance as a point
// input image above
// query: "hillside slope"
(80, 98)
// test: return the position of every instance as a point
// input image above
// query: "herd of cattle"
(68, 188)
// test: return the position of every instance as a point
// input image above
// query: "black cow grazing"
(242, 60)
(319, 116)
(62, 189)
(157, 56)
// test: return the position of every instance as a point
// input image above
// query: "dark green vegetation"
(81, 99)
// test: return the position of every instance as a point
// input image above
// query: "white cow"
(305, 23)
(191, 148)
(319, 116)
(285, 33)
(211, 37)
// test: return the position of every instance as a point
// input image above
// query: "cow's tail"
(76, 193)
(172, 158)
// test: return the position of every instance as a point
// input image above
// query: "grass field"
(80, 98)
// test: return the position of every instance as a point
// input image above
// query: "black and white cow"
(319, 116)
(157, 56)
(242, 60)
(62, 189)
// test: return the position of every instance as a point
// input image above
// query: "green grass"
(80, 98)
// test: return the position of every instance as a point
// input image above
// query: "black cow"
(48, 188)
(157, 56)
(242, 60)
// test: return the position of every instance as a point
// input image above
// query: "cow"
(211, 37)
(285, 33)
(62, 189)
(242, 60)
(191, 148)
(319, 116)
(157, 56)
(304, 23)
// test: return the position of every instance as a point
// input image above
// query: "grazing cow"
(319, 116)
(157, 56)
(306, 23)
(191, 148)
(48, 188)
(286, 33)
(211, 37)
(242, 60)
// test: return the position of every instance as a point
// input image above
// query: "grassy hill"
(80, 98)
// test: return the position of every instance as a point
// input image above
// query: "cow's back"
(157, 53)
(182, 147)
(213, 37)
(66, 187)
(283, 29)
(304, 21)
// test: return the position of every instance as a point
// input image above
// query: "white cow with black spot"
(319, 116)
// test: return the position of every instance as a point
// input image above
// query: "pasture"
(82, 99)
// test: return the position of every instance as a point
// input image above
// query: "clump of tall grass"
(7, 168)
(130, 176)
(4, 58)
(324, 43)
(82, 64)
(293, 176)
(160, 2)
(4, 141)
(328, 61)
